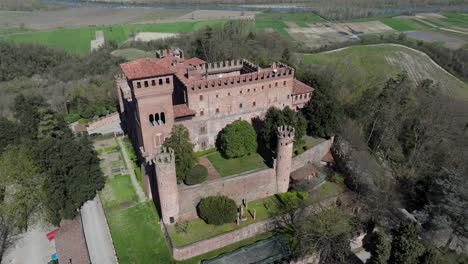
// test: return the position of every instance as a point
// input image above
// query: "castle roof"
(328, 158)
(182, 110)
(194, 61)
(301, 88)
(146, 67)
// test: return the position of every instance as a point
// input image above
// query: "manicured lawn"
(137, 236)
(228, 167)
(296, 17)
(400, 24)
(308, 142)
(327, 190)
(200, 230)
(117, 191)
(205, 152)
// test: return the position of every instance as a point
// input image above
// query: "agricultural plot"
(132, 54)
(444, 38)
(364, 67)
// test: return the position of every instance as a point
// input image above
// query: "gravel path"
(131, 171)
(97, 234)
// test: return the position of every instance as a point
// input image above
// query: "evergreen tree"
(380, 248)
(180, 142)
(406, 247)
(237, 139)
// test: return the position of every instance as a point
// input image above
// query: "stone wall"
(314, 154)
(102, 121)
(222, 240)
(250, 186)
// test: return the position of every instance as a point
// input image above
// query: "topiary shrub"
(237, 139)
(217, 210)
(196, 175)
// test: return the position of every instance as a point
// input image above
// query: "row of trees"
(45, 172)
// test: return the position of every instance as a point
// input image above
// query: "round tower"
(164, 164)
(284, 153)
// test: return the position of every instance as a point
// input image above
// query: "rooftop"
(301, 88)
(146, 67)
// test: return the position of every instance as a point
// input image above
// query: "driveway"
(98, 239)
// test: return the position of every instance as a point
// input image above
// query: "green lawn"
(400, 24)
(296, 17)
(118, 190)
(326, 190)
(77, 40)
(200, 230)
(277, 25)
(132, 54)
(137, 236)
(457, 19)
(228, 167)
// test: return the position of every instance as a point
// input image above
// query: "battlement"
(174, 52)
(120, 78)
(164, 155)
(227, 82)
(286, 132)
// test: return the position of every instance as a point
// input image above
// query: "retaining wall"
(103, 121)
(314, 154)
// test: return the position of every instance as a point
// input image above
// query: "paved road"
(100, 247)
(136, 185)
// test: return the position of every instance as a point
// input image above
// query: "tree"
(9, 133)
(325, 234)
(380, 247)
(49, 125)
(185, 158)
(406, 247)
(237, 139)
(217, 210)
(27, 114)
(431, 256)
(22, 193)
(73, 175)
(275, 118)
(323, 113)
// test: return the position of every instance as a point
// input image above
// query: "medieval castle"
(157, 93)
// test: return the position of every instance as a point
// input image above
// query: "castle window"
(156, 119)
(284, 83)
(217, 96)
(241, 91)
(240, 105)
(151, 120)
(269, 86)
(138, 84)
(163, 118)
(203, 129)
(310, 95)
(160, 81)
(276, 84)
(255, 89)
(217, 110)
(153, 83)
(287, 96)
(263, 87)
(202, 113)
(201, 97)
(254, 103)
(146, 83)
(248, 90)
(168, 80)
(229, 94)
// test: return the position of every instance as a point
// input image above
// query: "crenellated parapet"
(254, 77)
(120, 78)
(286, 132)
(164, 155)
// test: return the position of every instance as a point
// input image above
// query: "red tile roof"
(194, 61)
(328, 158)
(145, 67)
(305, 172)
(70, 242)
(301, 88)
(182, 110)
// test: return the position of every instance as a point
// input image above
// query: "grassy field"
(228, 167)
(118, 190)
(77, 40)
(276, 20)
(400, 24)
(457, 19)
(363, 67)
(132, 54)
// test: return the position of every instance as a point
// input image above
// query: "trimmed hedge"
(196, 175)
(217, 210)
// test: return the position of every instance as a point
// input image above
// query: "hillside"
(361, 67)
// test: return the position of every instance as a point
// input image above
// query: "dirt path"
(131, 171)
(212, 173)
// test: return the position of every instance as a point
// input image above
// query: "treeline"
(454, 61)
(79, 86)
(45, 171)
(228, 41)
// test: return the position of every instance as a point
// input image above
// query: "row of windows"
(157, 119)
(303, 96)
(248, 90)
(217, 111)
(153, 82)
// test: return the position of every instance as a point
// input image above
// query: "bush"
(196, 175)
(292, 199)
(72, 117)
(182, 227)
(217, 210)
(237, 139)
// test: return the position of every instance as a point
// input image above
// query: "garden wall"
(222, 240)
(249, 186)
(314, 154)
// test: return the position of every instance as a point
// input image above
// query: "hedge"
(217, 210)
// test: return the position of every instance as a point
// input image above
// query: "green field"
(228, 167)
(400, 24)
(457, 19)
(363, 67)
(132, 54)
(117, 191)
(77, 40)
(276, 20)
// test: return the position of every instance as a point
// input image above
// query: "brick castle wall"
(105, 120)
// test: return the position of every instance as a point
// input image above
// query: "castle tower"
(164, 164)
(284, 157)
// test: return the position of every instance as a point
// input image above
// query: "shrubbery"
(196, 175)
(217, 210)
(292, 199)
(237, 139)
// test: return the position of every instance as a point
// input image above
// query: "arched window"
(201, 97)
(156, 119)
(151, 119)
(163, 118)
